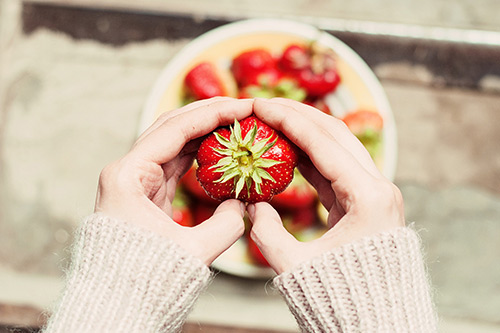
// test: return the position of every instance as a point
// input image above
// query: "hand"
(139, 188)
(360, 201)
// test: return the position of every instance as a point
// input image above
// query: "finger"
(329, 157)
(334, 127)
(172, 113)
(221, 230)
(277, 245)
(322, 185)
(167, 140)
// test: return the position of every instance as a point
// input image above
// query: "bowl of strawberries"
(269, 58)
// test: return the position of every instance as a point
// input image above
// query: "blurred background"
(74, 77)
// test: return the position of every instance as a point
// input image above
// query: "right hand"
(360, 200)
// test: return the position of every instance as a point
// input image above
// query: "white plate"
(359, 88)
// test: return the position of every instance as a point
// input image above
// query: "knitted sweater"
(125, 279)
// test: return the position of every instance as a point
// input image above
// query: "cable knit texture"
(125, 279)
(376, 284)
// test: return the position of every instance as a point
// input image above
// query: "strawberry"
(250, 67)
(361, 121)
(202, 211)
(190, 183)
(249, 161)
(255, 254)
(314, 67)
(300, 194)
(180, 210)
(203, 81)
(284, 87)
(300, 219)
(319, 104)
(367, 127)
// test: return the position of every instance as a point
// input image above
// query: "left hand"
(139, 187)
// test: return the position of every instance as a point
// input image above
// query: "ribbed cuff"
(125, 279)
(376, 284)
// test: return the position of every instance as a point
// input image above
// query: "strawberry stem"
(242, 161)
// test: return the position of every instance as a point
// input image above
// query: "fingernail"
(242, 208)
(251, 211)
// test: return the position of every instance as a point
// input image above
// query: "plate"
(359, 89)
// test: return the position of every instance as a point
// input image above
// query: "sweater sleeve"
(376, 284)
(125, 279)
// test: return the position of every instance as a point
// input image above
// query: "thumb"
(276, 244)
(221, 230)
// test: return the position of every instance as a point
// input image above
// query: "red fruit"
(300, 219)
(247, 66)
(295, 58)
(180, 210)
(367, 127)
(315, 68)
(182, 216)
(255, 254)
(363, 120)
(300, 194)
(267, 77)
(202, 212)
(285, 87)
(193, 187)
(203, 81)
(249, 161)
(319, 104)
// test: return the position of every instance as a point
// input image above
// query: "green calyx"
(242, 160)
(285, 88)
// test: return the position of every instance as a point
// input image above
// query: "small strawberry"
(192, 186)
(360, 121)
(298, 195)
(250, 67)
(315, 68)
(367, 126)
(298, 220)
(203, 81)
(202, 211)
(284, 87)
(249, 161)
(319, 104)
(255, 254)
(181, 212)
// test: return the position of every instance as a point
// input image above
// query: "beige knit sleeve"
(377, 284)
(125, 279)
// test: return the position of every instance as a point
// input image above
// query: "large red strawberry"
(203, 81)
(249, 161)
(315, 68)
(255, 67)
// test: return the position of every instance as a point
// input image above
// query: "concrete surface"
(69, 107)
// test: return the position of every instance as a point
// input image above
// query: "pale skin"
(139, 188)
(360, 200)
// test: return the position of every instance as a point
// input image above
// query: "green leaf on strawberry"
(249, 161)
